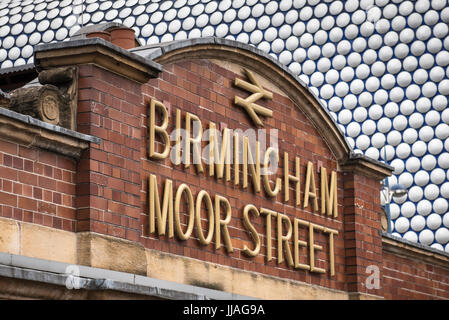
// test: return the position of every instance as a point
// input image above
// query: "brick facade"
(411, 273)
(206, 89)
(106, 190)
(37, 186)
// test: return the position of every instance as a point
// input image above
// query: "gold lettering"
(195, 141)
(288, 177)
(155, 207)
(219, 158)
(266, 181)
(161, 130)
(236, 159)
(329, 196)
(210, 211)
(222, 225)
(331, 232)
(256, 239)
(184, 189)
(212, 137)
(310, 182)
(165, 211)
(178, 138)
(313, 247)
(283, 240)
(248, 160)
(297, 243)
(268, 213)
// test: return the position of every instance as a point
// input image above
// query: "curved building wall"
(380, 67)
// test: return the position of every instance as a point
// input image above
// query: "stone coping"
(414, 244)
(414, 250)
(48, 126)
(95, 41)
(26, 130)
(99, 52)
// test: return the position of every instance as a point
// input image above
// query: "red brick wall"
(37, 186)
(188, 85)
(412, 278)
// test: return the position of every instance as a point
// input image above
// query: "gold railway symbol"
(249, 104)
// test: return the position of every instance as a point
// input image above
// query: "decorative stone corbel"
(53, 101)
(66, 79)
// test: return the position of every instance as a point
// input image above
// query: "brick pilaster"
(109, 107)
(363, 243)
(109, 182)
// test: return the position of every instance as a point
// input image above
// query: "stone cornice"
(31, 132)
(99, 52)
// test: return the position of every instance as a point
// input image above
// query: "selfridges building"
(380, 68)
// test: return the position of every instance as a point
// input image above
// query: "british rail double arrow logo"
(253, 109)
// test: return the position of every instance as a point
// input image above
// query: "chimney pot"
(123, 37)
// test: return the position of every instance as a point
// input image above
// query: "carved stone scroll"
(41, 102)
